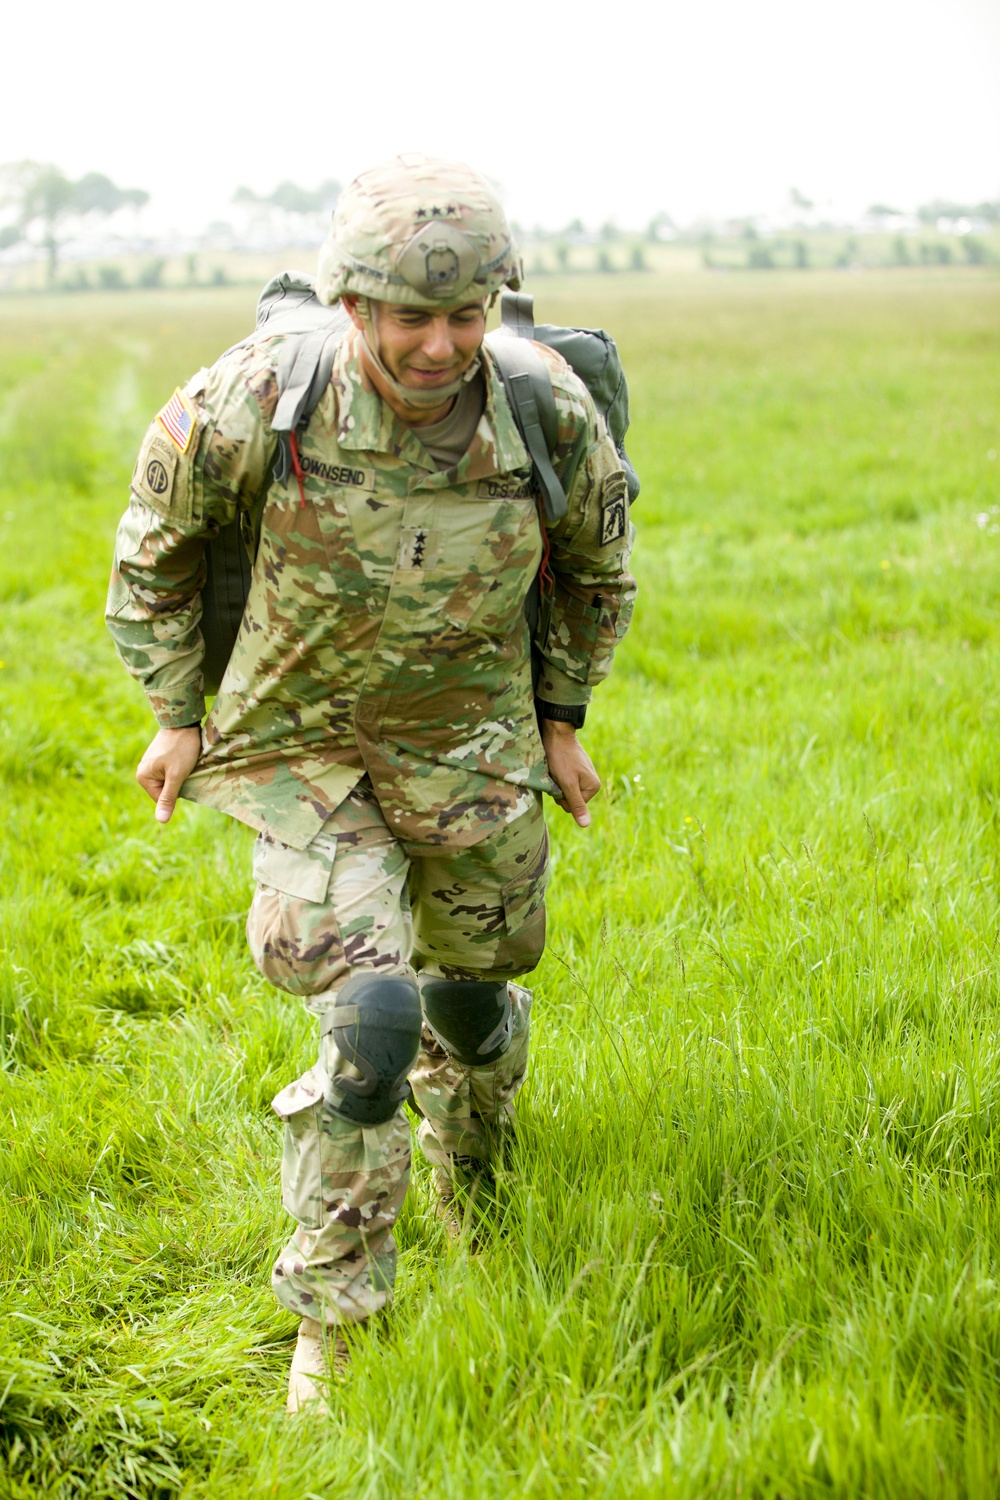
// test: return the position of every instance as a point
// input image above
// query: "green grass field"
(748, 1241)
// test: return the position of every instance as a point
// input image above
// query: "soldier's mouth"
(432, 377)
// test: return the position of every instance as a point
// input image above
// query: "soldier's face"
(423, 348)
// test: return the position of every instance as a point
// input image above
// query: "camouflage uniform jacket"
(385, 630)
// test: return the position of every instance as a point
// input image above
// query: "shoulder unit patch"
(614, 509)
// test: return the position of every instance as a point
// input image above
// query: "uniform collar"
(365, 422)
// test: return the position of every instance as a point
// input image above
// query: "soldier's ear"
(350, 302)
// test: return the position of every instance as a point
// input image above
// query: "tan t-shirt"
(448, 440)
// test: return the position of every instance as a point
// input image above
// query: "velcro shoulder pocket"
(162, 477)
(571, 634)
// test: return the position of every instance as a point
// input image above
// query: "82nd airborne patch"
(614, 509)
(155, 472)
(157, 476)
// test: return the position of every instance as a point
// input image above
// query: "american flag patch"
(177, 421)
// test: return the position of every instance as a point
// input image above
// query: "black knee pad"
(471, 1018)
(376, 1025)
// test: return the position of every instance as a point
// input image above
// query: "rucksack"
(592, 354)
(288, 305)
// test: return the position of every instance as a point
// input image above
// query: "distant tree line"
(293, 199)
(38, 195)
(941, 208)
(39, 204)
(149, 275)
(783, 253)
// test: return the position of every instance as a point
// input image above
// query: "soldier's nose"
(439, 345)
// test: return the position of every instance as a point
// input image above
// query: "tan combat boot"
(320, 1353)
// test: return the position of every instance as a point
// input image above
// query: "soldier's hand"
(570, 768)
(170, 758)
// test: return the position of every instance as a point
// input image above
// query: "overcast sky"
(599, 110)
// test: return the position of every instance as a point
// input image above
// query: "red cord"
(293, 443)
(547, 582)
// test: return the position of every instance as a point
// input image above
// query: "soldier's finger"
(150, 781)
(167, 801)
(575, 803)
(590, 785)
(165, 808)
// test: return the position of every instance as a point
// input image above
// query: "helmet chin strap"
(407, 395)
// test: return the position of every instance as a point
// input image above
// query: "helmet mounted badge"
(439, 262)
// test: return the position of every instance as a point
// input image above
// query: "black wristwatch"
(565, 713)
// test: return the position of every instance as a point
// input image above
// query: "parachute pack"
(288, 305)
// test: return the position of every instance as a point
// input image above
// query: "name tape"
(339, 474)
(504, 489)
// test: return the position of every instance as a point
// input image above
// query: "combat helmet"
(418, 231)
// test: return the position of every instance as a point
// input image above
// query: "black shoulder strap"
(529, 390)
(304, 367)
(517, 314)
(305, 363)
(288, 305)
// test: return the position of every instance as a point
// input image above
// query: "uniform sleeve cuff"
(565, 713)
(179, 709)
(554, 686)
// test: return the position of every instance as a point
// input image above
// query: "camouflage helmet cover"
(419, 231)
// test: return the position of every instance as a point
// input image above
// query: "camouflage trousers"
(357, 898)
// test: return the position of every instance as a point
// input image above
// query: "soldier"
(377, 723)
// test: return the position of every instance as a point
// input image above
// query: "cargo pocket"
(293, 935)
(301, 873)
(328, 1161)
(301, 1169)
(523, 942)
(521, 900)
